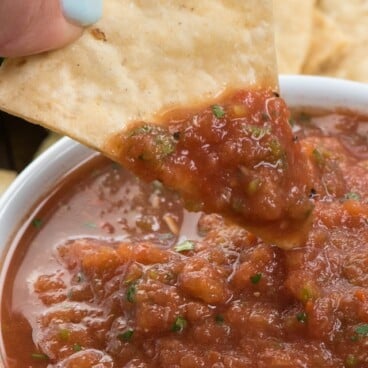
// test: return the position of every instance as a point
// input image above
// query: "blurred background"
(318, 37)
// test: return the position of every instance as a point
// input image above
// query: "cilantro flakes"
(302, 317)
(131, 293)
(256, 278)
(126, 335)
(219, 318)
(362, 330)
(37, 223)
(77, 347)
(218, 111)
(179, 324)
(351, 361)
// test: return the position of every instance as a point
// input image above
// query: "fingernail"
(82, 12)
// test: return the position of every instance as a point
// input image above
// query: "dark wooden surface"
(19, 141)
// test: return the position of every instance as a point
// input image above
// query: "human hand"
(33, 26)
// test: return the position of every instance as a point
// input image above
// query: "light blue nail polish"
(82, 12)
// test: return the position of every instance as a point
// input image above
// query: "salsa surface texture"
(119, 275)
(237, 157)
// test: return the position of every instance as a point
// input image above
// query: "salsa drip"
(237, 157)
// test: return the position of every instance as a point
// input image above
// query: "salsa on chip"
(146, 60)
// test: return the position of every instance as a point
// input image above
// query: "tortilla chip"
(293, 32)
(352, 19)
(327, 47)
(351, 16)
(353, 66)
(6, 178)
(142, 57)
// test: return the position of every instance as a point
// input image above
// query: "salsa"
(237, 158)
(118, 274)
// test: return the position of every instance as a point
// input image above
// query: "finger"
(33, 26)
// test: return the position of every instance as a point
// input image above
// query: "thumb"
(33, 26)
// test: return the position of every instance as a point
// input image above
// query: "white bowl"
(42, 175)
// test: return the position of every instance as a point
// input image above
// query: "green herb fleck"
(184, 246)
(64, 334)
(253, 186)
(302, 317)
(179, 324)
(144, 129)
(218, 111)
(165, 144)
(219, 318)
(275, 149)
(306, 294)
(257, 132)
(320, 156)
(37, 223)
(362, 330)
(351, 361)
(77, 347)
(39, 356)
(131, 293)
(352, 195)
(126, 335)
(256, 278)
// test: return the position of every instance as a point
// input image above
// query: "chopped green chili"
(39, 356)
